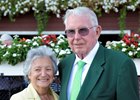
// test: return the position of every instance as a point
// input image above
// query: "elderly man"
(93, 72)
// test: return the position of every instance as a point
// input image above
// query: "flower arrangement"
(43, 8)
(58, 44)
(129, 44)
(17, 52)
(14, 7)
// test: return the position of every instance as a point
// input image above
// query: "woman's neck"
(45, 94)
(47, 97)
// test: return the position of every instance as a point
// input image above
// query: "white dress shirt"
(88, 60)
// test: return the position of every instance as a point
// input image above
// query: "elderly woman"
(40, 68)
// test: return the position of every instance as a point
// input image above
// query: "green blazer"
(112, 76)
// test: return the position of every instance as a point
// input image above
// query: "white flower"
(6, 12)
(2, 46)
(130, 53)
(132, 45)
(26, 9)
(40, 1)
(68, 51)
(2, 8)
(24, 45)
(109, 47)
(62, 52)
(124, 49)
(6, 54)
(123, 44)
(14, 55)
(135, 52)
(52, 44)
(28, 40)
(58, 15)
(21, 11)
(19, 45)
(56, 50)
(9, 46)
(35, 44)
(116, 10)
(60, 41)
(138, 49)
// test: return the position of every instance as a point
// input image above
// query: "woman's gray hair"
(82, 11)
(34, 53)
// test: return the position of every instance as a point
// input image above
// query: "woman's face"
(42, 73)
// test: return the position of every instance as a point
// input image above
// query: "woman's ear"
(29, 76)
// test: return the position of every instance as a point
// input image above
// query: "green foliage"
(17, 52)
(129, 44)
(122, 20)
(42, 19)
(44, 8)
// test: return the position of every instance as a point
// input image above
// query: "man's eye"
(83, 29)
(71, 31)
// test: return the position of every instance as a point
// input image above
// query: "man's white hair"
(6, 37)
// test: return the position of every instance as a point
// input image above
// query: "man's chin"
(80, 53)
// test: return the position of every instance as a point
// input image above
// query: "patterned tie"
(77, 81)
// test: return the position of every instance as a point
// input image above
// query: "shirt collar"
(88, 59)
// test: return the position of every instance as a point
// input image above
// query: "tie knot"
(81, 63)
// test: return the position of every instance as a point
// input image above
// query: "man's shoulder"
(116, 57)
(68, 57)
(111, 52)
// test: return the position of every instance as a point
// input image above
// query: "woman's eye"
(48, 69)
(37, 69)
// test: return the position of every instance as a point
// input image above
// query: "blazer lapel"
(67, 65)
(93, 75)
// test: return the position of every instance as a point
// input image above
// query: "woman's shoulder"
(56, 97)
(27, 93)
(20, 95)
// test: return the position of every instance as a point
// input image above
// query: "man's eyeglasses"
(82, 31)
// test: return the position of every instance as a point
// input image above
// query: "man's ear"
(98, 30)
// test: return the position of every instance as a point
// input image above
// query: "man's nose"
(77, 35)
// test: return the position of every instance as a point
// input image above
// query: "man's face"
(7, 42)
(82, 45)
